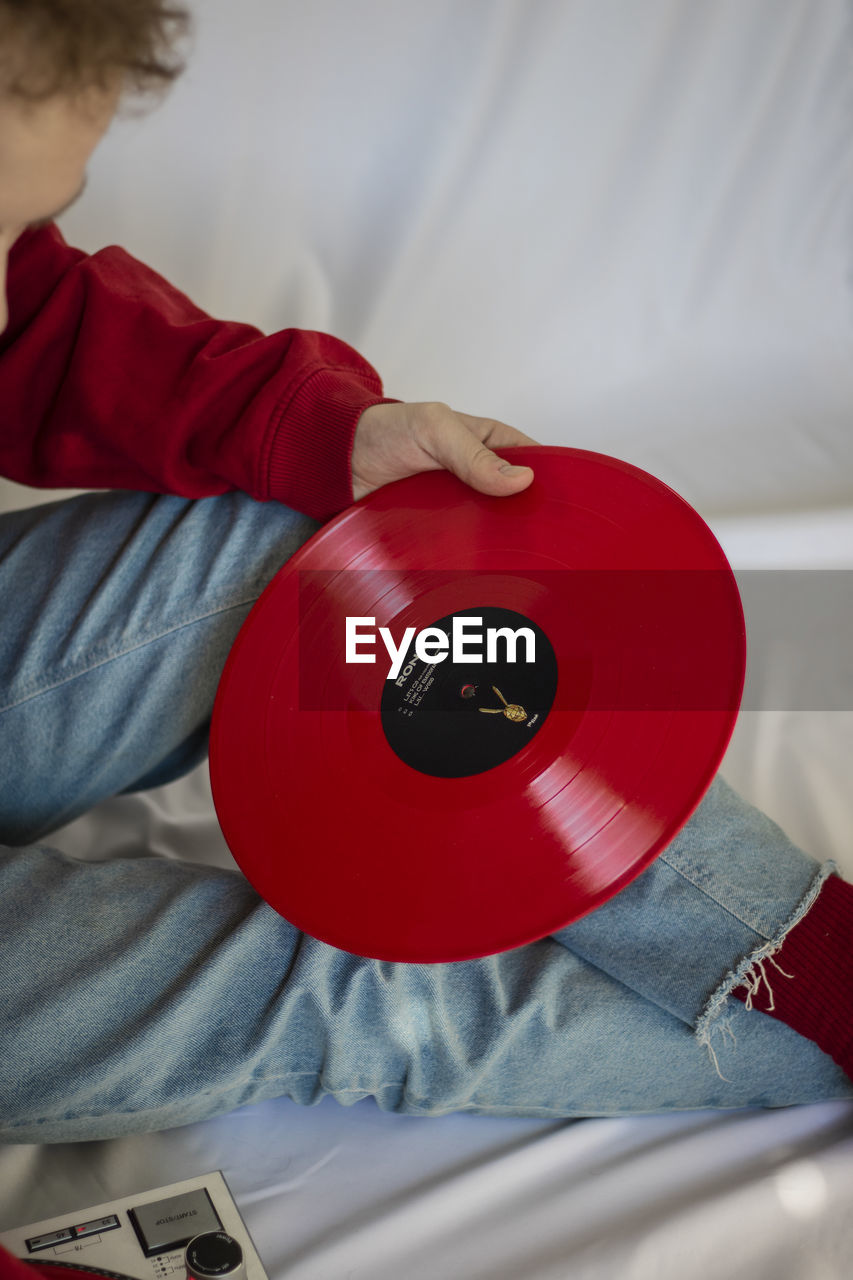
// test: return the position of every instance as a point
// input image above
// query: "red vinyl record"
(453, 724)
(70, 1271)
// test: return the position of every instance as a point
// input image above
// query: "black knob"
(215, 1256)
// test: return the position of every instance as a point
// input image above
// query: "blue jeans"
(141, 993)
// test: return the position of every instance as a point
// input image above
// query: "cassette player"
(191, 1228)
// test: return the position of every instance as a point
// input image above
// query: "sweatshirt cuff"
(309, 460)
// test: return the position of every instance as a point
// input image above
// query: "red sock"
(817, 999)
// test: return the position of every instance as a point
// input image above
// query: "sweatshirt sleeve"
(112, 378)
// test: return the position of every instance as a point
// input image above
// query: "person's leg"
(118, 613)
(141, 994)
(713, 909)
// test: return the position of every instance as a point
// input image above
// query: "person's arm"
(112, 378)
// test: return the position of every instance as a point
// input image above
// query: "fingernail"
(509, 469)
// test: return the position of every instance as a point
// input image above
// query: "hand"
(397, 440)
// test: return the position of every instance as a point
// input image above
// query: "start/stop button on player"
(172, 1223)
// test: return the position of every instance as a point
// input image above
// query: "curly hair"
(54, 47)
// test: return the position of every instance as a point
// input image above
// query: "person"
(142, 993)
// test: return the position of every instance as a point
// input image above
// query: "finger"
(497, 435)
(460, 449)
(484, 470)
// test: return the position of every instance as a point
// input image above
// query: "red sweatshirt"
(112, 379)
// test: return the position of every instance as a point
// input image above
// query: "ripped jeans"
(141, 993)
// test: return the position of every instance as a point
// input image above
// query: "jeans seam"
(747, 924)
(710, 1019)
(224, 1091)
(535, 1111)
(138, 644)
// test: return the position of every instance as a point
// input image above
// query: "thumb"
(474, 463)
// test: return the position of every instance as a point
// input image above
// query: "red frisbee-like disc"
(479, 800)
(69, 1271)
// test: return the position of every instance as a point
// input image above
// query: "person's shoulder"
(42, 245)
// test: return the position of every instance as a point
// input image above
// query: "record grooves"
(412, 819)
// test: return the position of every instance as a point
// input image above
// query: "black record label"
(475, 698)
